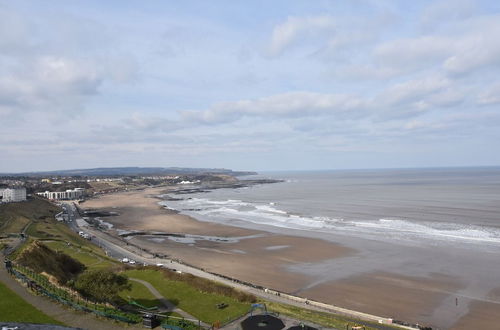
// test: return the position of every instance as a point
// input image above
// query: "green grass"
(88, 256)
(199, 304)
(140, 294)
(14, 309)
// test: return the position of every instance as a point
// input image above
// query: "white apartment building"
(76, 193)
(13, 195)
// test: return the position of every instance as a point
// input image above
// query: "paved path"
(65, 315)
(170, 307)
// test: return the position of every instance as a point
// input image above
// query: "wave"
(269, 214)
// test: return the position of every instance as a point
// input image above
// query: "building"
(76, 193)
(17, 194)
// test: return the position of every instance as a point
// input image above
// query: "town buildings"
(76, 193)
(17, 194)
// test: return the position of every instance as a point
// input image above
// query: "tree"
(101, 285)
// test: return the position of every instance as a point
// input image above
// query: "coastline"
(289, 261)
(255, 256)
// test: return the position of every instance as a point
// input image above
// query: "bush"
(101, 285)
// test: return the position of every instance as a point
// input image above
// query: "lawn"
(141, 295)
(14, 309)
(199, 304)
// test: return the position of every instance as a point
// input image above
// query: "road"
(117, 248)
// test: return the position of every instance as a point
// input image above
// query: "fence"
(42, 285)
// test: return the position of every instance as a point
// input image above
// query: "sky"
(249, 85)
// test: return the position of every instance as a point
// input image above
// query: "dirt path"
(65, 315)
(170, 307)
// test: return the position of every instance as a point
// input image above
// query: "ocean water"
(407, 206)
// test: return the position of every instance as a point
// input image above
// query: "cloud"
(446, 11)
(296, 29)
(478, 49)
(461, 50)
(14, 31)
(410, 53)
(49, 84)
(490, 96)
(413, 90)
(292, 104)
(150, 123)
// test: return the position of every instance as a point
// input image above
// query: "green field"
(14, 309)
(199, 304)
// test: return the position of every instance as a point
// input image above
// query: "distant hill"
(120, 171)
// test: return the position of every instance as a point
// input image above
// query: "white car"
(132, 262)
(125, 260)
(159, 265)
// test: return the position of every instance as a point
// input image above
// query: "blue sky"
(260, 85)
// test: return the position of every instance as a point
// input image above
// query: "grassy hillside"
(15, 216)
(91, 257)
(14, 309)
(41, 259)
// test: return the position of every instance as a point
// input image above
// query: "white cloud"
(446, 11)
(292, 104)
(477, 50)
(409, 53)
(49, 84)
(413, 90)
(489, 96)
(295, 29)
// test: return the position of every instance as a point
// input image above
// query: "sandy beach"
(292, 264)
(254, 256)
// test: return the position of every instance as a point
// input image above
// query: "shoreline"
(253, 256)
(293, 262)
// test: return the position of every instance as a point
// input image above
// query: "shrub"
(101, 285)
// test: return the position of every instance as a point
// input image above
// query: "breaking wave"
(269, 214)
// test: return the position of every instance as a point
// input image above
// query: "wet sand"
(407, 298)
(482, 314)
(260, 260)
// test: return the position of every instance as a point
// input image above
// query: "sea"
(436, 205)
